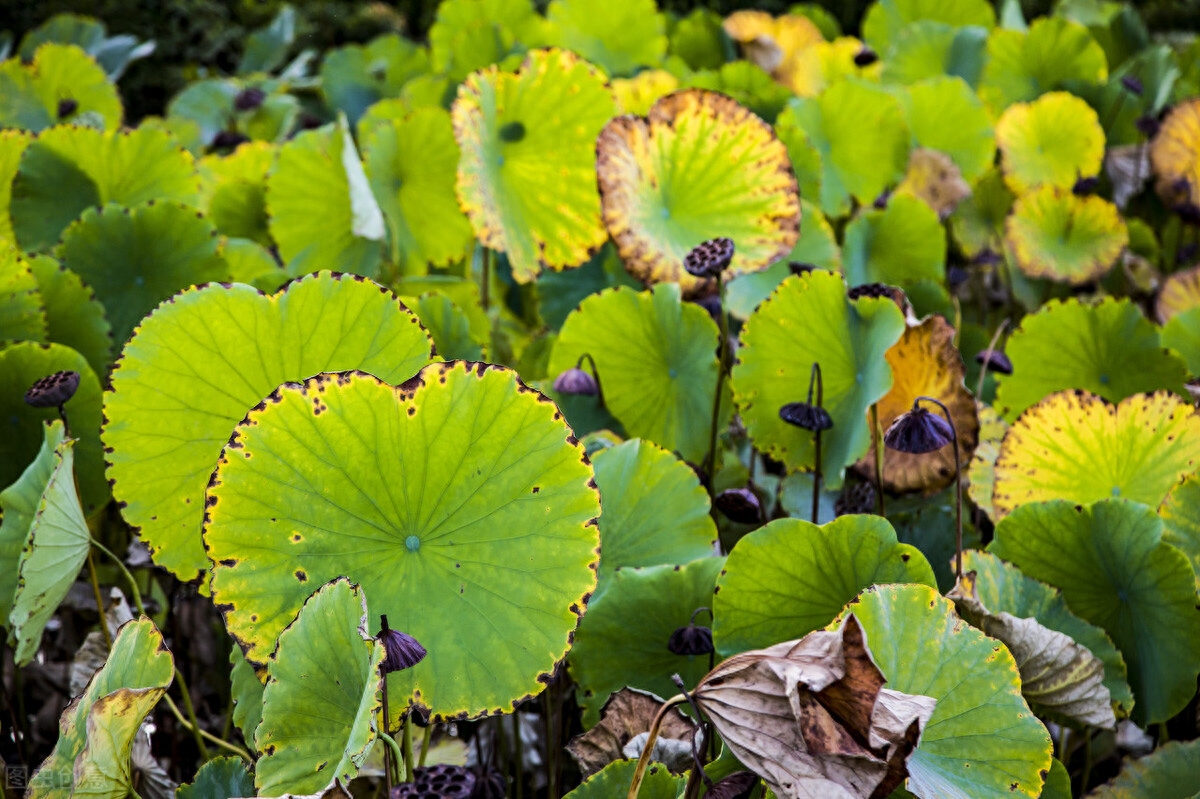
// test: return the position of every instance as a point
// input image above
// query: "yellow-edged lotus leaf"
(777, 44)
(1055, 234)
(1180, 513)
(934, 178)
(1075, 446)
(1055, 140)
(1180, 292)
(816, 68)
(638, 94)
(925, 363)
(1022, 65)
(233, 190)
(526, 177)
(982, 471)
(1175, 154)
(659, 203)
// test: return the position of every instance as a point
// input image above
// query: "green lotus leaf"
(114, 53)
(69, 169)
(1116, 572)
(73, 314)
(135, 258)
(12, 145)
(1109, 349)
(1022, 65)
(448, 326)
(412, 165)
(1172, 771)
(945, 115)
(655, 510)
(806, 163)
(817, 246)
(929, 525)
(472, 34)
(656, 356)
(1157, 69)
(901, 244)
(622, 640)
(862, 137)
(1058, 782)
(22, 311)
(617, 35)
(614, 780)
(978, 221)
(19, 503)
(219, 778)
(21, 424)
(1055, 140)
(887, 19)
(520, 133)
(234, 191)
(748, 84)
(56, 542)
(982, 740)
(1181, 333)
(322, 212)
(698, 40)
(250, 262)
(791, 577)
(193, 365)
(1180, 513)
(469, 501)
(559, 293)
(1003, 589)
(809, 319)
(208, 104)
(247, 694)
(657, 210)
(96, 730)
(322, 693)
(32, 94)
(355, 77)
(1055, 234)
(929, 49)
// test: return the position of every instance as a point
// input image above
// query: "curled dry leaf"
(812, 718)
(936, 180)
(625, 715)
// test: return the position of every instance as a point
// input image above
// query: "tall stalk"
(722, 360)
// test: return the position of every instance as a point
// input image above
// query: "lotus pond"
(591, 401)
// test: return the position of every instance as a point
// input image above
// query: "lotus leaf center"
(1104, 380)
(672, 373)
(1116, 491)
(412, 543)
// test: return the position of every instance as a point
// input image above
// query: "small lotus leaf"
(935, 179)
(33, 93)
(471, 34)
(234, 190)
(945, 115)
(246, 691)
(1174, 154)
(1181, 334)
(1055, 234)
(978, 221)
(1024, 64)
(615, 778)
(747, 84)
(1053, 140)
(219, 778)
(113, 53)
(1179, 292)
(1172, 771)
(355, 77)
(901, 244)
(449, 326)
(777, 45)
(638, 94)
(1180, 513)
(982, 471)
(927, 49)
(619, 36)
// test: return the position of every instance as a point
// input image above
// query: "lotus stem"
(392, 757)
(816, 380)
(958, 528)
(99, 601)
(722, 351)
(407, 751)
(500, 750)
(62, 414)
(519, 753)
(134, 591)
(388, 765)
(988, 357)
(1087, 760)
(877, 432)
(186, 695)
(228, 747)
(639, 773)
(486, 277)
(595, 373)
(425, 738)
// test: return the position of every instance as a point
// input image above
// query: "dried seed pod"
(918, 431)
(865, 57)
(401, 650)
(740, 505)
(53, 390)
(249, 98)
(66, 107)
(709, 258)
(806, 416)
(996, 361)
(691, 640)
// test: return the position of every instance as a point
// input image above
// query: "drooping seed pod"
(918, 431)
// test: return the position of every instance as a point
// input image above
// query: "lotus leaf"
(619, 36)
(901, 244)
(791, 577)
(982, 740)
(1137, 450)
(809, 319)
(656, 356)
(978, 221)
(982, 471)
(1172, 771)
(944, 114)
(96, 730)
(12, 145)
(19, 503)
(748, 84)
(113, 53)
(519, 133)
(234, 189)
(411, 165)
(354, 77)
(775, 44)
(219, 778)
(250, 262)
(622, 639)
(934, 179)
(1181, 334)
(22, 312)
(192, 366)
(1055, 140)
(559, 293)
(322, 212)
(448, 326)
(636, 95)
(443, 524)
(1179, 292)
(1116, 572)
(863, 140)
(322, 693)
(69, 169)
(824, 64)
(1174, 157)
(928, 48)
(1022, 65)
(657, 211)
(929, 524)
(614, 780)
(1109, 349)
(32, 93)
(1180, 513)
(1055, 234)
(887, 18)
(207, 104)
(471, 34)
(698, 39)
(925, 363)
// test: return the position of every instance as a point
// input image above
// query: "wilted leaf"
(1170, 772)
(627, 714)
(935, 179)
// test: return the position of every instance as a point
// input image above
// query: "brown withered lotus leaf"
(812, 718)
(698, 166)
(925, 363)
(625, 715)
(936, 180)
(1180, 292)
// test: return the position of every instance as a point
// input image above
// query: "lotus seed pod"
(709, 258)
(249, 99)
(865, 57)
(918, 431)
(740, 505)
(53, 390)
(691, 640)
(575, 381)
(401, 650)
(806, 416)
(996, 361)
(66, 107)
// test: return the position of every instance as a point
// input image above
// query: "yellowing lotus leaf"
(777, 44)
(1055, 139)
(526, 177)
(1179, 292)
(1175, 154)
(638, 94)
(1075, 446)
(816, 68)
(934, 178)
(982, 471)
(1055, 234)
(697, 167)
(925, 363)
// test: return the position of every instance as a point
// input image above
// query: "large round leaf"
(1172, 771)
(33, 95)
(1053, 233)
(809, 319)
(657, 207)
(1074, 445)
(471, 34)
(1174, 154)
(1109, 349)
(1180, 513)
(1116, 572)
(622, 639)
(945, 115)
(982, 740)
(67, 169)
(73, 314)
(617, 35)
(526, 177)
(1055, 140)
(901, 244)
(657, 362)
(22, 312)
(21, 425)
(136, 258)
(791, 577)
(321, 696)
(199, 362)
(887, 18)
(1023, 64)
(472, 510)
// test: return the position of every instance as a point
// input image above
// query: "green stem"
(486, 277)
(175, 711)
(99, 601)
(186, 696)
(1087, 761)
(425, 737)
(877, 432)
(134, 591)
(722, 352)
(408, 753)
(639, 772)
(397, 756)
